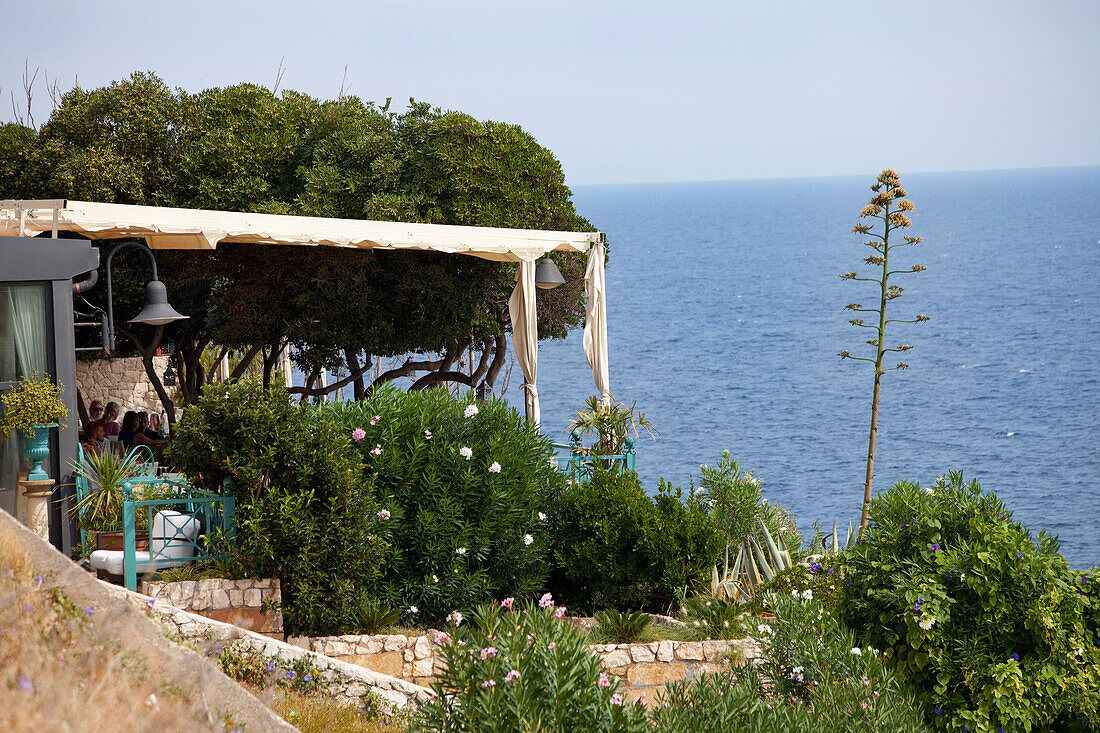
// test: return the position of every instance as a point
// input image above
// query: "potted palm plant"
(33, 408)
(102, 479)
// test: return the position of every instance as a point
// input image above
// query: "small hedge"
(616, 547)
(305, 511)
(988, 623)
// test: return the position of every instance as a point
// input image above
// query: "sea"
(725, 318)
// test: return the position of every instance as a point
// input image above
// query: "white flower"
(414, 609)
(466, 451)
(470, 410)
(553, 463)
(528, 539)
(764, 630)
(542, 517)
(460, 551)
(1078, 651)
(927, 623)
(494, 468)
(808, 595)
(796, 674)
(856, 651)
(435, 578)
(794, 594)
(928, 490)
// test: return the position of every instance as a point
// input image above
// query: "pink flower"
(604, 682)
(443, 639)
(489, 651)
(616, 699)
(547, 601)
(551, 645)
(513, 675)
(560, 612)
(376, 450)
(639, 699)
(374, 420)
(454, 618)
(427, 435)
(358, 434)
(864, 705)
(383, 513)
(489, 683)
(507, 602)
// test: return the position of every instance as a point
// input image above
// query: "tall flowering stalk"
(890, 206)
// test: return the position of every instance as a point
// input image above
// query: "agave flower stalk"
(890, 206)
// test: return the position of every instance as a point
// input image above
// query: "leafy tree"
(244, 148)
(890, 206)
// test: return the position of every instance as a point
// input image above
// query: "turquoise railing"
(578, 465)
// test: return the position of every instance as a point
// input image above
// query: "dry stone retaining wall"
(347, 681)
(243, 603)
(120, 380)
(642, 669)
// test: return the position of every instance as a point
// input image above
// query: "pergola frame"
(172, 228)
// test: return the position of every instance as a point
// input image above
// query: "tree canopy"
(245, 148)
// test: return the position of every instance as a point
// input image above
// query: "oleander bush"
(615, 547)
(467, 487)
(986, 621)
(305, 511)
(518, 668)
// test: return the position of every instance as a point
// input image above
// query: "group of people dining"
(137, 428)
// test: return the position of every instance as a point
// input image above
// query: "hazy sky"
(638, 91)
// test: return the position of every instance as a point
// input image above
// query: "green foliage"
(521, 669)
(106, 473)
(258, 670)
(621, 627)
(760, 539)
(890, 206)
(611, 424)
(714, 618)
(615, 547)
(305, 512)
(373, 617)
(986, 621)
(816, 681)
(35, 401)
(466, 529)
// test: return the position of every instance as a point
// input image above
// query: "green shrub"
(714, 618)
(466, 529)
(987, 622)
(304, 511)
(615, 547)
(621, 627)
(521, 669)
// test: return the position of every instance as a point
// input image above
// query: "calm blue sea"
(726, 317)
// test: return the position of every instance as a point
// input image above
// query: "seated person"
(149, 426)
(94, 441)
(110, 427)
(133, 432)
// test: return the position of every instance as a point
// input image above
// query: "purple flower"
(1019, 556)
(290, 674)
(24, 684)
(89, 610)
(307, 678)
(38, 580)
(1014, 657)
(935, 547)
(938, 710)
(271, 668)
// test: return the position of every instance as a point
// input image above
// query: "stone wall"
(642, 669)
(347, 682)
(251, 603)
(120, 380)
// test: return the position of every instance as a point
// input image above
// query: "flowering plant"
(36, 401)
(519, 668)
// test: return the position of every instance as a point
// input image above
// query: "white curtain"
(595, 323)
(28, 314)
(525, 335)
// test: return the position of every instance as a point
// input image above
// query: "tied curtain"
(525, 337)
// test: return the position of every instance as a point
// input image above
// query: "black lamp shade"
(157, 312)
(547, 275)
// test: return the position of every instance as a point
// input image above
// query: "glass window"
(23, 350)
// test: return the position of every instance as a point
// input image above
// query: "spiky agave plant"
(890, 206)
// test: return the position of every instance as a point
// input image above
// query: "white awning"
(168, 228)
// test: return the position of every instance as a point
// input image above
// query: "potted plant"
(33, 408)
(99, 510)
